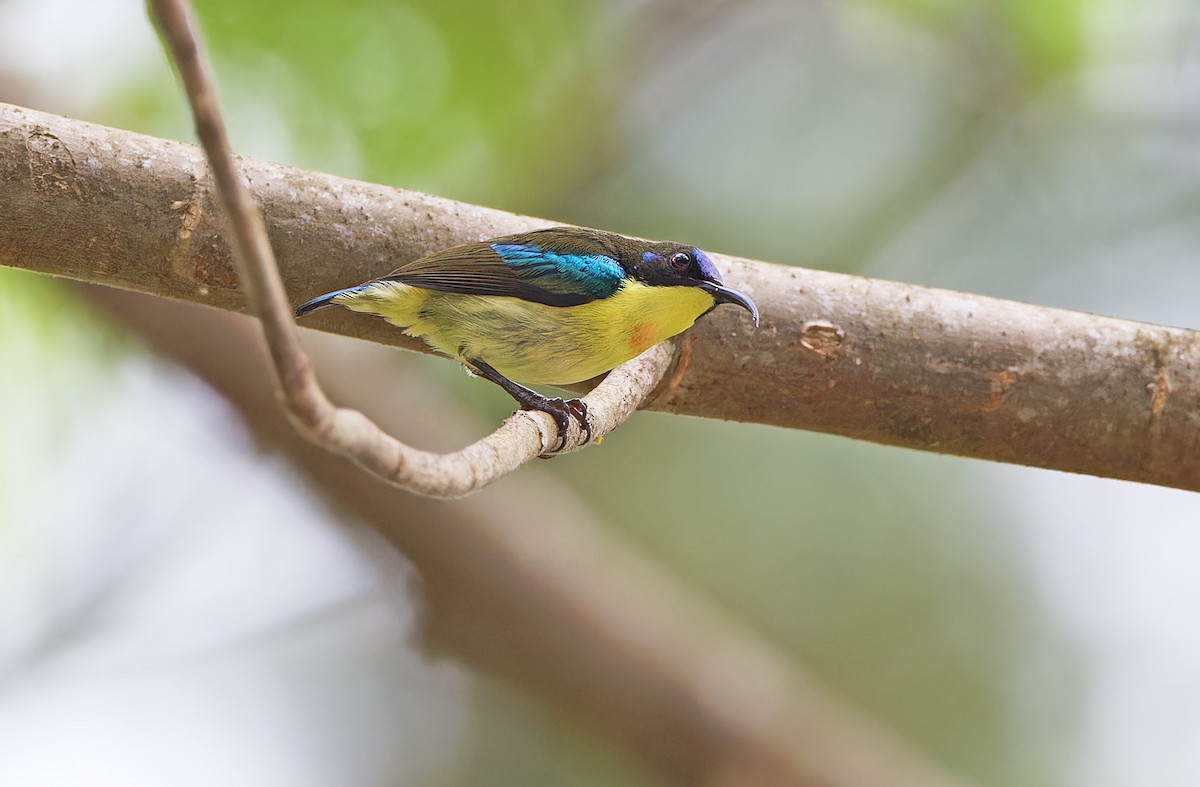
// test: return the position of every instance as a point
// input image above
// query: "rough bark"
(876, 360)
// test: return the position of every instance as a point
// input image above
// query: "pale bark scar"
(1159, 389)
(189, 219)
(1002, 383)
(823, 338)
(681, 366)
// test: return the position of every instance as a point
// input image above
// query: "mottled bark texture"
(880, 361)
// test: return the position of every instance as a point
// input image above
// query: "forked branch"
(521, 438)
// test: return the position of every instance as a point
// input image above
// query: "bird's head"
(676, 265)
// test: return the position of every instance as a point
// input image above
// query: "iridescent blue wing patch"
(597, 275)
(515, 267)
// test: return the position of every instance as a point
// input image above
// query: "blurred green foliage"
(456, 97)
(1045, 38)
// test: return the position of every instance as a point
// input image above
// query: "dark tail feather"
(321, 301)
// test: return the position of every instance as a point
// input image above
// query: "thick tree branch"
(876, 360)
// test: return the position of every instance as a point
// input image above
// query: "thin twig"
(520, 439)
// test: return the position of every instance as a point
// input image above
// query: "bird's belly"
(554, 345)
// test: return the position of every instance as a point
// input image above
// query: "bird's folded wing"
(542, 270)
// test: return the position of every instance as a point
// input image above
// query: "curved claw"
(579, 409)
(562, 411)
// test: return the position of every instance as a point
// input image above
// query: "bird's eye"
(680, 260)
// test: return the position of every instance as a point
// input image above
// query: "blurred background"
(180, 603)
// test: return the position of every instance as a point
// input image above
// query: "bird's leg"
(560, 410)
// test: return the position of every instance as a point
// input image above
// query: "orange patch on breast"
(640, 337)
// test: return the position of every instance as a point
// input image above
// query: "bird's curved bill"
(722, 294)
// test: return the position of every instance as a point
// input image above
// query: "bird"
(550, 307)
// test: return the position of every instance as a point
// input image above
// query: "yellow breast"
(538, 344)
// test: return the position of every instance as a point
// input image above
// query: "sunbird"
(551, 307)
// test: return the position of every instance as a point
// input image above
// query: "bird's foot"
(562, 411)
